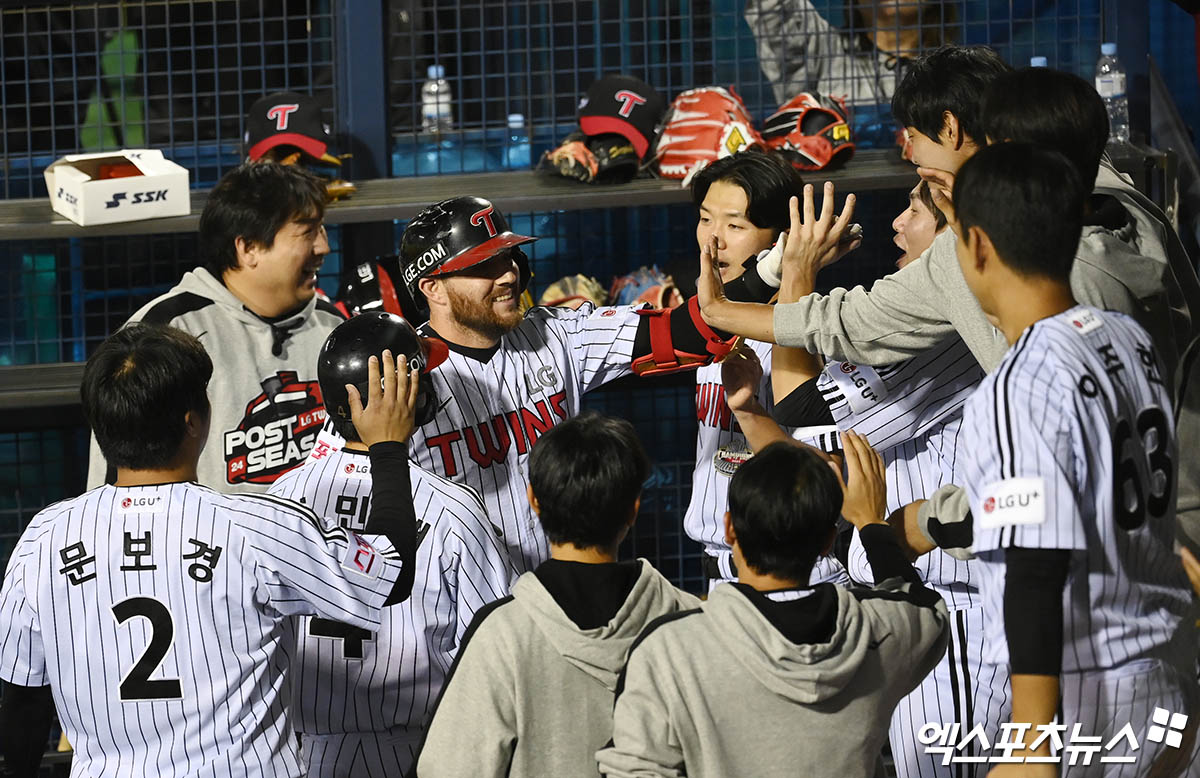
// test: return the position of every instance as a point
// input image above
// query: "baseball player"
(1070, 471)
(742, 203)
(254, 304)
(157, 611)
(361, 699)
(510, 376)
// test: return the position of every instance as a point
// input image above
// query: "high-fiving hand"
(391, 400)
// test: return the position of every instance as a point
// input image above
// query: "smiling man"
(253, 304)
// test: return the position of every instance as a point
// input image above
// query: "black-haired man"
(770, 676)
(254, 304)
(531, 691)
(1070, 448)
(158, 611)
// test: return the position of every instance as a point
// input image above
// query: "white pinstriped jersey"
(350, 680)
(896, 403)
(720, 448)
(160, 617)
(1070, 444)
(493, 412)
(914, 470)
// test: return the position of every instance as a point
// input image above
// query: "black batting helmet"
(343, 360)
(454, 235)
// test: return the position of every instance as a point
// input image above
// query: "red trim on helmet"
(481, 253)
(436, 352)
(598, 125)
(310, 146)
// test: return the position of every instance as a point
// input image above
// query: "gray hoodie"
(531, 694)
(266, 404)
(722, 692)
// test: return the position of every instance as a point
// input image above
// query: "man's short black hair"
(783, 502)
(926, 198)
(138, 386)
(254, 201)
(767, 179)
(949, 78)
(1029, 200)
(1051, 109)
(587, 472)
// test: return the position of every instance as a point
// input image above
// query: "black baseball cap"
(287, 119)
(625, 105)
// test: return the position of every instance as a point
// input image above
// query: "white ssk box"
(152, 188)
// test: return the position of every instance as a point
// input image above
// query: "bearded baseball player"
(361, 698)
(510, 376)
(156, 612)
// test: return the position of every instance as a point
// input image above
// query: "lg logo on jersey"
(357, 471)
(138, 197)
(1014, 501)
(141, 504)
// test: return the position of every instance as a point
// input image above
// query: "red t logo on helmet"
(280, 114)
(484, 217)
(628, 101)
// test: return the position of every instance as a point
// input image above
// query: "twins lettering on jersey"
(711, 408)
(280, 426)
(488, 443)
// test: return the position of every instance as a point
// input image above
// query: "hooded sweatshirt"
(266, 403)
(531, 693)
(748, 685)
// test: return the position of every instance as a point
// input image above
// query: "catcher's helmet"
(343, 360)
(454, 235)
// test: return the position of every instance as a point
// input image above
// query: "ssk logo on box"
(1013, 501)
(138, 197)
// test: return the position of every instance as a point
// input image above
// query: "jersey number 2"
(137, 684)
(1142, 469)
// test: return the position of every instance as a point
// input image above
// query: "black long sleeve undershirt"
(392, 511)
(803, 407)
(887, 560)
(1033, 610)
(25, 720)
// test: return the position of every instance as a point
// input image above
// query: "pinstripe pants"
(960, 689)
(360, 754)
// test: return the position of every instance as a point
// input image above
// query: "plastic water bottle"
(1038, 62)
(437, 114)
(1110, 83)
(516, 148)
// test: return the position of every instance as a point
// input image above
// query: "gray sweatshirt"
(530, 693)
(266, 404)
(721, 692)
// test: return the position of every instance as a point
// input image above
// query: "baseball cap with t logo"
(287, 119)
(623, 105)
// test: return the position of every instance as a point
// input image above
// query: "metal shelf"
(385, 199)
